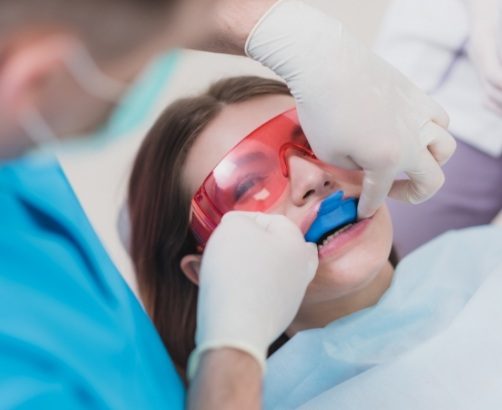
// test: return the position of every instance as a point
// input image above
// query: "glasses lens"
(253, 175)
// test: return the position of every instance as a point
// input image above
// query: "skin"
(227, 379)
(348, 279)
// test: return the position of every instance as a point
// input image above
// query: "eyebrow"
(251, 157)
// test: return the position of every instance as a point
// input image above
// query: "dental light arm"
(357, 111)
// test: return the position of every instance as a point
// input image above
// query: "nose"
(308, 180)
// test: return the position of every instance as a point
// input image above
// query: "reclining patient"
(239, 147)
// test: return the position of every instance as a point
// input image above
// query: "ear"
(26, 64)
(190, 265)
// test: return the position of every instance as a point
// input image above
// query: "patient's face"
(349, 261)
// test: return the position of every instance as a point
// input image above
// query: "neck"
(320, 314)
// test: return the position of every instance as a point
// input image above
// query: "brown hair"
(159, 208)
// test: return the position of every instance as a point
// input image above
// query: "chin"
(356, 268)
(346, 278)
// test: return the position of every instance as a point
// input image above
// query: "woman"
(187, 144)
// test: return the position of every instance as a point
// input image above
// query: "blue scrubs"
(72, 334)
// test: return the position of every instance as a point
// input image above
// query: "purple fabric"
(471, 195)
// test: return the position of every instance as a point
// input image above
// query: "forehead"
(231, 125)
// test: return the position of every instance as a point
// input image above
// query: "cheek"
(356, 268)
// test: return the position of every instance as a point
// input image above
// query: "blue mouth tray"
(334, 211)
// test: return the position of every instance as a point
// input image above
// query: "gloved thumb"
(376, 186)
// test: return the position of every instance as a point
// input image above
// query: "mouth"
(336, 224)
(338, 241)
(328, 236)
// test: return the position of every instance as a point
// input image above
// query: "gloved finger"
(232, 216)
(438, 114)
(280, 225)
(283, 227)
(252, 220)
(425, 180)
(275, 224)
(313, 257)
(439, 142)
(376, 186)
(343, 161)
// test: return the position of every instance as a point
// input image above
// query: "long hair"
(159, 209)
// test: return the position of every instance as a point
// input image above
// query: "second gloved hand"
(357, 111)
(254, 274)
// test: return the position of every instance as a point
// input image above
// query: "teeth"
(333, 235)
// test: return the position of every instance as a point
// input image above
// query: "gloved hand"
(254, 274)
(485, 48)
(357, 111)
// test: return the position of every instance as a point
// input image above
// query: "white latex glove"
(357, 111)
(254, 274)
(485, 48)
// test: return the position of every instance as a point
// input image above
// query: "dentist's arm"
(253, 277)
(226, 379)
(357, 110)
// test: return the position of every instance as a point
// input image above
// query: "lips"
(339, 242)
(331, 235)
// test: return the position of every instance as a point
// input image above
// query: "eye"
(249, 185)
